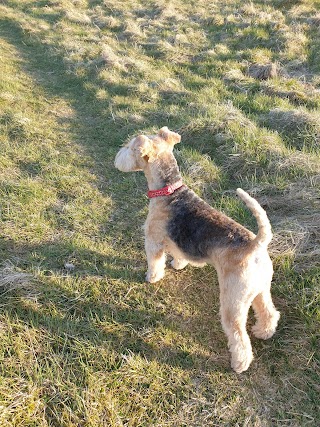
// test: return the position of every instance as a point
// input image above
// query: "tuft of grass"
(262, 71)
(300, 128)
(12, 279)
(199, 171)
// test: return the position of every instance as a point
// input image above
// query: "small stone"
(69, 266)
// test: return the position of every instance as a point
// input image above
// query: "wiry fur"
(191, 231)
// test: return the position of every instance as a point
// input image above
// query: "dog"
(183, 225)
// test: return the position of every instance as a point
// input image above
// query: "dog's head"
(142, 150)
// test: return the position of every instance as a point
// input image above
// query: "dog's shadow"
(105, 302)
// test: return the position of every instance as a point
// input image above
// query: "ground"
(84, 340)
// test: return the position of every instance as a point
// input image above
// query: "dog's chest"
(157, 220)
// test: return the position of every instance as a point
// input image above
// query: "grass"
(84, 341)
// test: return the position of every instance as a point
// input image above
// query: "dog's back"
(197, 228)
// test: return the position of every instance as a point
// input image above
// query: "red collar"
(165, 191)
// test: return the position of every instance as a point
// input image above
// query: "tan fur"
(244, 273)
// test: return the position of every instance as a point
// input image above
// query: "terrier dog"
(183, 225)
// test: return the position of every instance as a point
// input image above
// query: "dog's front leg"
(156, 260)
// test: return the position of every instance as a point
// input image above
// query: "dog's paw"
(178, 264)
(240, 362)
(154, 277)
(265, 331)
(262, 334)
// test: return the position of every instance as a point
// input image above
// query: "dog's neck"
(162, 171)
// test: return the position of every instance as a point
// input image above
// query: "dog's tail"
(264, 235)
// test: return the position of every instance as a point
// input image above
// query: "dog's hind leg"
(266, 314)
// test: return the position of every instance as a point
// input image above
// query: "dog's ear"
(169, 136)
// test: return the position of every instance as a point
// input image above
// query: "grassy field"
(84, 341)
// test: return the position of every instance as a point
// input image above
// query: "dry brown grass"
(297, 230)
(263, 71)
(300, 128)
(11, 278)
(294, 96)
(73, 15)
